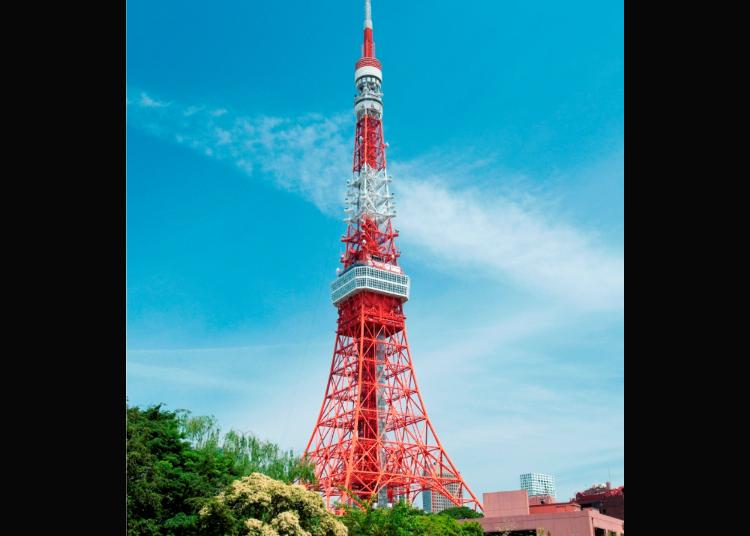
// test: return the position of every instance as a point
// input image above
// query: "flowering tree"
(258, 505)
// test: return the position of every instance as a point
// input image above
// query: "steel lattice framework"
(373, 436)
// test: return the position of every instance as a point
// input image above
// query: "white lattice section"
(368, 194)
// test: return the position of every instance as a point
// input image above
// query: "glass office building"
(538, 484)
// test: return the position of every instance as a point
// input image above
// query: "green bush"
(404, 520)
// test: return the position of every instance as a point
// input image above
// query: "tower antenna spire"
(368, 50)
(368, 15)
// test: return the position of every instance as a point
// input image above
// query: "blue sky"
(506, 131)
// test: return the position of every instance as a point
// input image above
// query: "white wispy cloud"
(148, 102)
(306, 155)
(188, 378)
(514, 236)
(510, 238)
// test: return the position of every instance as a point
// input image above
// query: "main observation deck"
(388, 280)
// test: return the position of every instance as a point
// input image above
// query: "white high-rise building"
(538, 484)
(435, 502)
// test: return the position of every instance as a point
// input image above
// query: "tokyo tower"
(373, 439)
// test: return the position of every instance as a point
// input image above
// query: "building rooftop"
(512, 511)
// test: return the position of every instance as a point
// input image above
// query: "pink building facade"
(509, 511)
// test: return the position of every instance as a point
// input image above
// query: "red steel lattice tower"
(373, 436)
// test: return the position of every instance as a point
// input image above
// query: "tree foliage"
(461, 512)
(186, 478)
(246, 453)
(404, 520)
(261, 506)
(176, 463)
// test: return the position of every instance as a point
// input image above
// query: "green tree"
(166, 478)
(404, 520)
(437, 524)
(246, 453)
(177, 462)
(461, 512)
(259, 505)
(250, 455)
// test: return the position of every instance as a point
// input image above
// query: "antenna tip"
(368, 15)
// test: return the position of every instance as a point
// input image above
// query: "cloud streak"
(512, 236)
(306, 155)
(513, 239)
(187, 378)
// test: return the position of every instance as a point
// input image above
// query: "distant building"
(608, 500)
(514, 513)
(434, 502)
(538, 484)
